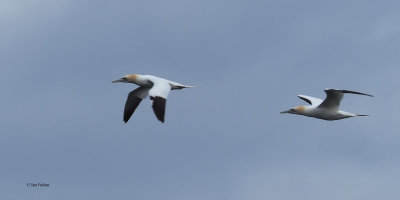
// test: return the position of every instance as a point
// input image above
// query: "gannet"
(158, 89)
(327, 109)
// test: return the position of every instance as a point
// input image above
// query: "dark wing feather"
(134, 98)
(159, 107)
(131, 104)
(305, 99)
(353, 92)
(334, 97)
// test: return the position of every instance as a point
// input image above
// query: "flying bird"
(158, 89)
(327, 109)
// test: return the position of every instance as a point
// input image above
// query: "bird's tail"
(180, 86)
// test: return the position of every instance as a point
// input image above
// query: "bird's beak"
(119, 80)
(286, 111)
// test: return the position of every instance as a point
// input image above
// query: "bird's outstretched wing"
(310, 100)
(334, 97)
(159, 94)
(352, 92)
(133, 101)
(159, 107)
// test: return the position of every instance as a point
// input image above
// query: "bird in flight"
(158, 89)
(327, 109)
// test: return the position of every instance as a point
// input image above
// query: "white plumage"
(327, 109)
(158, 89)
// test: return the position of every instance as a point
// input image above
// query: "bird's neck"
(142, 81)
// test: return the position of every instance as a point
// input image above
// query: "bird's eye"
(293, 110)
(123, 78)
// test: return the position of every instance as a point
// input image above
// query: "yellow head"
(296, 110)
(300, 109)
(130, 78)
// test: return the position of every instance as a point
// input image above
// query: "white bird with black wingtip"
(327, 109)
(158, 89)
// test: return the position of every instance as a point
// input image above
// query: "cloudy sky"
(61, 117)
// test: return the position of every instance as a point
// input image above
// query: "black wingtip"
(132, 102)
(305, 99)
(354, 92)
(159, 107)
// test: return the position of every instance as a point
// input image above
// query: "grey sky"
(62, 117)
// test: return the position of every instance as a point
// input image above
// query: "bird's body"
(323, 113)
(158, 89)
(149, 80)
(327, 109)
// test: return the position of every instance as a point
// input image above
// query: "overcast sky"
(61, 117)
